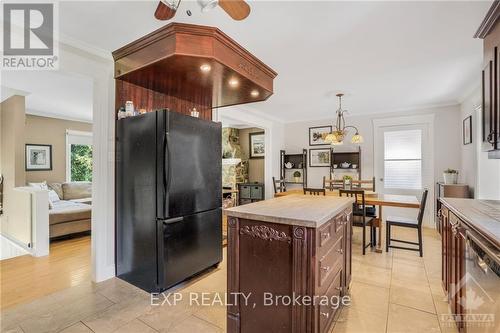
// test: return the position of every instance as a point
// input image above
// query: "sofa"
(70, 211)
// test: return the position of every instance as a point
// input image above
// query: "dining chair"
(360, 219)
(367, 185)
(281, 185)
(395, 221)
(332, 184)
(314, 191)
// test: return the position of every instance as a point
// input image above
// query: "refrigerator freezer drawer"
(189, 245)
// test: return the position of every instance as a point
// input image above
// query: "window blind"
(403, 159)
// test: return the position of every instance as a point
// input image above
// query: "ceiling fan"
(237, 9)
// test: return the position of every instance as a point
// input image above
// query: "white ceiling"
(385, 56)
(50, 93)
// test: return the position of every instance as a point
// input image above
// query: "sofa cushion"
(76, 190)
(87, 201)
(41, 186)
(57, 187)
(66, 211)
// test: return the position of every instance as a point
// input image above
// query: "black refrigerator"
(168, 198)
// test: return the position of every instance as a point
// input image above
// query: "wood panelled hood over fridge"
(183, 66)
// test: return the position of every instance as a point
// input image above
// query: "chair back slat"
(422, 207)
(314, 191)
(367, 185)
(332, 184)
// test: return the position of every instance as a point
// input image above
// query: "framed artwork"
(467, 130)
(319, 157)
(38, 157)
(317, 135)
(257, 147)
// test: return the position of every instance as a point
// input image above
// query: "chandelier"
(340, 130)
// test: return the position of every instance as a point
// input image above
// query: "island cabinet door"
(270, 263)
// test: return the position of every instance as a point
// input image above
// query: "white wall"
(77, 61)
(481, 173)
(447, 152)
(469, 152)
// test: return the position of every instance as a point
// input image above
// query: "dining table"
(372, 199)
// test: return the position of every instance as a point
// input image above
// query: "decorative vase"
(347, 184)
(450, 178)
(296, 179)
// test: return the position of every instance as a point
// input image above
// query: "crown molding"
(39, 113)
(88, 48)
(379, 113)
(489, 21)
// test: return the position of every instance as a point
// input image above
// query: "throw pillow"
(58, 188)
(53, 197)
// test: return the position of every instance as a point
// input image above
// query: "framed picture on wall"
(38, 157)
(467, 130)
(257, 147)
(317, 135)
(319, 157)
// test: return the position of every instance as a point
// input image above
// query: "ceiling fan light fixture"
(208, 5)
(172, 4)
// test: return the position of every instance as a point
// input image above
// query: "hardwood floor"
(26, 278)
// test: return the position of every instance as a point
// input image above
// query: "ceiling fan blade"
(164, 12)
(237, 9)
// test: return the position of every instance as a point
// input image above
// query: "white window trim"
(70, 133)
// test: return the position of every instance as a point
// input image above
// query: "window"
(403, 159)
(78, 156)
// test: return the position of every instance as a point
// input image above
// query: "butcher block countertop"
(302, 210)
(481, 215)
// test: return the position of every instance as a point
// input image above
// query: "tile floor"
(391, 292)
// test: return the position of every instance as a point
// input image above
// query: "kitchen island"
(289, 260)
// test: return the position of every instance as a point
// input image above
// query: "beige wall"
(12, 114)
(256, 165)
(43, 130)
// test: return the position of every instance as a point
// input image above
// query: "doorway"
(404, 160)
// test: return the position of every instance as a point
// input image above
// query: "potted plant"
(296, 176)
(347, 182)
(450, 176)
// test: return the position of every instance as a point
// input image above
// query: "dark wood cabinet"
(447, 191)
(287, 260)
(489, 31)
(453, 264)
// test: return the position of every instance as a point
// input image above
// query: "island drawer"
(327, 312)
(330, 233)
(330, 264)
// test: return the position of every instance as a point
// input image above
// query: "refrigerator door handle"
(173, 220)
(168, 169)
